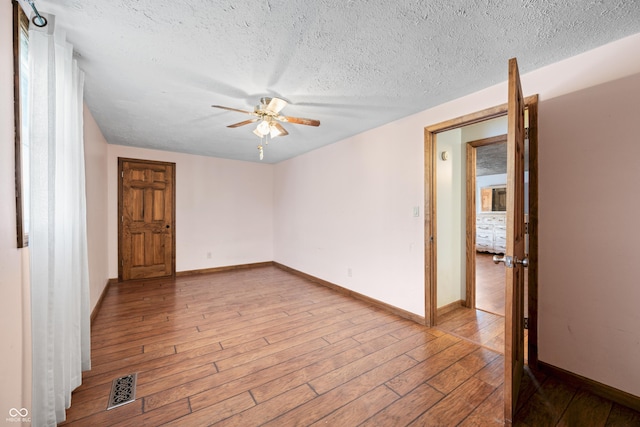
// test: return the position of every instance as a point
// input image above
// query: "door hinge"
(122, 218)
(526, 323)
(122, 174)
(122, 262)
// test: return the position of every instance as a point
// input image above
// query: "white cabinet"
(491, 232)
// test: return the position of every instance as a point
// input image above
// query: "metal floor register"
(123, 391)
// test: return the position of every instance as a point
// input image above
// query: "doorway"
(433, 159)
(486, 169)
(146, 219)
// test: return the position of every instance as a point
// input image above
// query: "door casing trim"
(471, 146)
(121, 161)
(430, 209)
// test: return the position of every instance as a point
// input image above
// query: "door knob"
(510, 262)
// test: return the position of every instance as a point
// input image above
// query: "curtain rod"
(38, 20)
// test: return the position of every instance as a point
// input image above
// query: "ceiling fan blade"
(283, 131)
(246, 122)
(233, 109)
(276, 104)
(299, 120)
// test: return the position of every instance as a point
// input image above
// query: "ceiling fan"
(267, 113)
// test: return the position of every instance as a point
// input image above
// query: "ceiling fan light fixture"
(267, 113)
(263, 128)
(274, 131)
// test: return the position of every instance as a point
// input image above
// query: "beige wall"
(358, 216)
(15, 346)
(224, 209)
(344, 213)
(95, 154)
(589, 229)
(451, 214)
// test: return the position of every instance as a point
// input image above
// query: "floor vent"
(123, 391)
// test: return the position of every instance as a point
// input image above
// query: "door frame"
(430, 219)
(471, 146)
(121, 161)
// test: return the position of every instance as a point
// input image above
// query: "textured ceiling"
(154, 68)
(492, 159)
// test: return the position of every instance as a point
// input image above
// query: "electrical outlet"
(208, 255)
(349, 273)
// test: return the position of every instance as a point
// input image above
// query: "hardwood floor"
(489, 284)
(265, 347)
(485, 325)
(480, 327)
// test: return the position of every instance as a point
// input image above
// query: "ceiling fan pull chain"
(260, 149)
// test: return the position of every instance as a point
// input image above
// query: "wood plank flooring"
(485, 325)
(490, 279)
(265, 347)
(489, 284)
(480, 327)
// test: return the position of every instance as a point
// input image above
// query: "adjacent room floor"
(485, 324)
(489, 284)
(265, 347)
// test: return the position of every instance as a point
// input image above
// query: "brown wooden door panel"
(515, 245)
(146, 210)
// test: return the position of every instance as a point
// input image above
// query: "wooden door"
(146, 218)
(515, 251)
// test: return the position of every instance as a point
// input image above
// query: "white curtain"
(58, 238)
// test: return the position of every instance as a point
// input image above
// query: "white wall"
(451, 213)
(223, 208)
(348, 205)
(95, 154)
(15, 338)
(486, 129)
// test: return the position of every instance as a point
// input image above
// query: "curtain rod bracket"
(38, 20)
